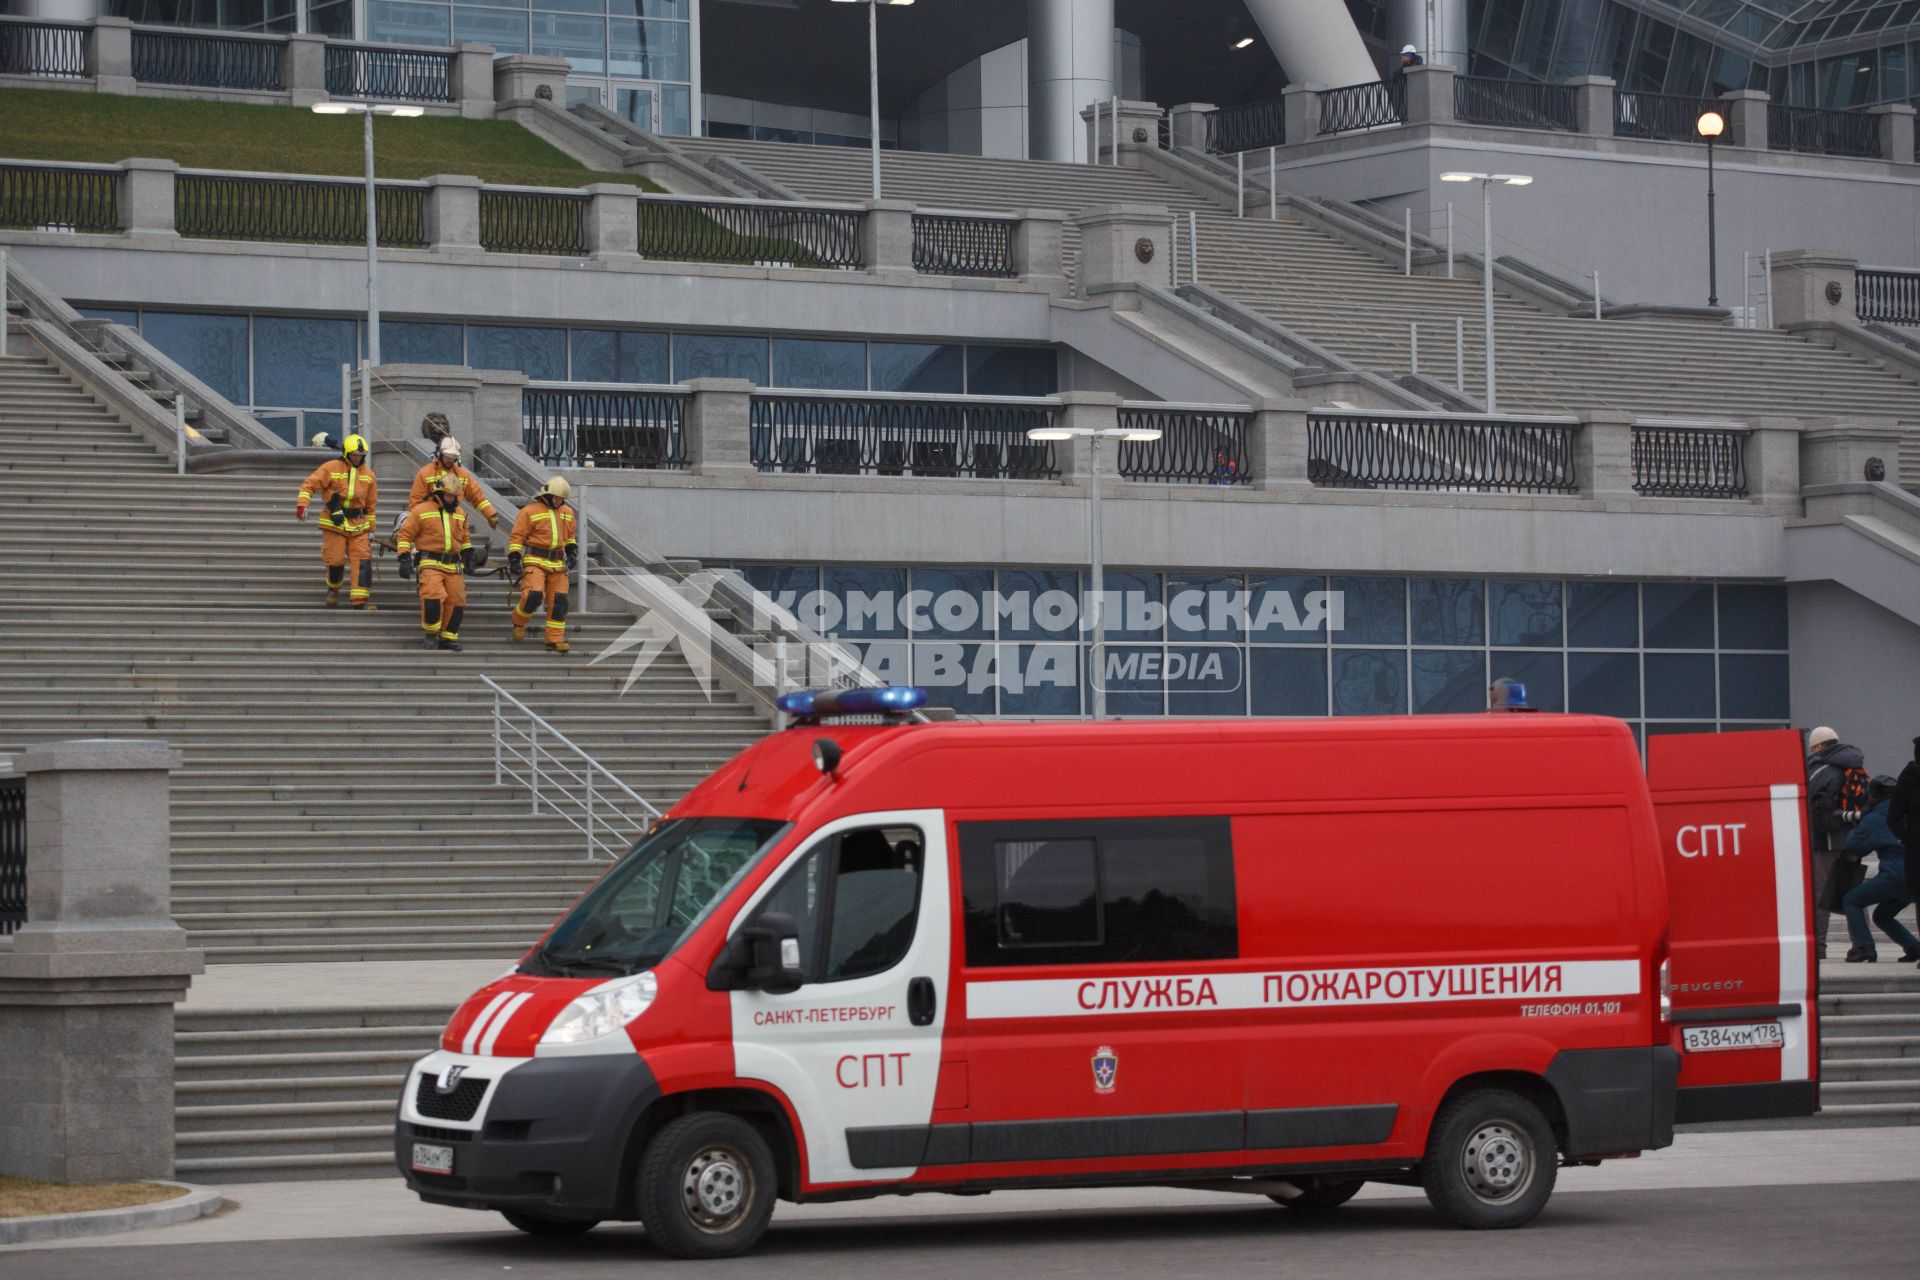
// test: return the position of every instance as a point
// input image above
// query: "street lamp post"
(1486, 181)
(873, 78)
(1095, 537)
(1711, 125)
(367, 111)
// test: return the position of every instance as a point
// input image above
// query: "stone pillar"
(403, 394)
(719, 413)
(1849, 452)
(1277, 445)
(1139, 127)
(453, 213)
(1429, 94)
(1300, 105)
(523, 77)
(1895, 131)
(1811, 284)
(473, 81)
(1089, 411)
(88, 983)
(1603, 455)
(1746, 113)
(110, 55)
(1190, 126)
(1593, 105)
(1038, 250)
(1773, 459)
(612, 223)
(1122, 244)
(146, 197)
(499, 406)
(304, 69)
(1069, 63)
(886, 237)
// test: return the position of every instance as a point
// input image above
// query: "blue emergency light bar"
(893, 699)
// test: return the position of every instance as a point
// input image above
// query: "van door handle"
(922, 1002)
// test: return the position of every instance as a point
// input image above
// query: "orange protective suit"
(469, 489)
(435, 538)
(542, 536)
(349, 495)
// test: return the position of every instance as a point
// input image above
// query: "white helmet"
(1409, 49)
(449, 449)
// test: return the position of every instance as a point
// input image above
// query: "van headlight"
(602, 1011)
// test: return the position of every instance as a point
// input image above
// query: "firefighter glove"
(513, 563)
(573, 557)
(466, 559)
(406, 567)
(299, 511)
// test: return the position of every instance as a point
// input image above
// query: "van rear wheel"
(1321, 1198)
(707, 1186)
(1491, 1160)
(535, 1225)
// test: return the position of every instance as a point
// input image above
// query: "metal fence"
(534, 222)
(296, 210)
(48, 197)
(13, 854)
(207, 61)
(562, 780)
(981, 439)
(1196, 446)
(1363, 106)
(1247, 127)
(1827, 133)
(1671, 461)
(1665, 117)
(962, 245)
(379, 71)
(1404, 451)
(1517, 104)
(630, 428)
(752, 234)
(50, 49)
(1889, 297)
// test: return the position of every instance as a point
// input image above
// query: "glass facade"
(1664, 656)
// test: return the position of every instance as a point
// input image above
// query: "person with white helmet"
(1409, 57)
(446, 462)
(540, 551)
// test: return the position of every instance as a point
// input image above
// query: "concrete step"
(285, 1168)
(293, 1066)
(337, 952)
(357, 1113)
(254, 1042)
(192, 1019)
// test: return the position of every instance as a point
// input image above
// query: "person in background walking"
(1903, 818)
(1833, 767)
(1886, 892)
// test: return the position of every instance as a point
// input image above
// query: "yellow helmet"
(556, 488)
(448, 484)
(352, 445)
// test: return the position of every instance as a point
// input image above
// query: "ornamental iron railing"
(1886, 296)
(1404, 451)
(1196, 445)
(1674, 461)
(207, 61)
(750, 233)
(209, 206)
(534, 222)
(1363, 106)
(1822, 132)
(1247, 127)
(55, 198)
(380, 71)
(630, 428)
(1661, 117)
(977, 438)
(47, 49)
(1516, 104)
(962, 245)
(13, 854)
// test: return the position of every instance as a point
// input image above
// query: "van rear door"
(1731, 809)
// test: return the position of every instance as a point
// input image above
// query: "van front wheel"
(707, 1186)
(1491, 1160)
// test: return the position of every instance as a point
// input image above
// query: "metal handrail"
(545, 767)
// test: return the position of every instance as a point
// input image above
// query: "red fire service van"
(1279, 957)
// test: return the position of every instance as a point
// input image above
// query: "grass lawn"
(25, 1198)
(103, 128)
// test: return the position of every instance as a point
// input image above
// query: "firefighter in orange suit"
(348, 492)
(446, 462)
(434, 540)
(540, 551)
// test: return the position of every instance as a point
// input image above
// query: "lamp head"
(1243, 42)
(1049, 433)
(1711, 124)
(1461, 177)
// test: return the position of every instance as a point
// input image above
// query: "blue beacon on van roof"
(893, 699)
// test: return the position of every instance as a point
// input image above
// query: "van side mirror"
(762, 955)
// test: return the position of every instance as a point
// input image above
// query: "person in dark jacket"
(1903, 817)
(1886, 892)
(1409, 57)
(1828, 760)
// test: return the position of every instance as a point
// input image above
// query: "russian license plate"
(1744, 1035)
(428, 1158)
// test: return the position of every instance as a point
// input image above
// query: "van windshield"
(666, 885)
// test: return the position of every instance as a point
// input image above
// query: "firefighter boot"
(559, 646)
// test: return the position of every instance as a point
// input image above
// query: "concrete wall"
(1855, 666)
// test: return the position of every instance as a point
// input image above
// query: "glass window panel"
(297, 361)
(1753, 686)
(649, 50)
(331, 18)
(391, 23)
(869, 600)
(1048, 893)
(956, 675)
(129, 318)
(1288, 682)
(1500, 28)
(822, 363)
(1533, 42)
(1687, 69)
(1679, 615)
(876, 894)
(890, 660)
(1574, 49)
(287, 425)
(541, 354)
(952, 604)
(1447, 680)
(1374, 610)
(794, 588)
(1037, 604)
(1540, 672)
(1526, 613)
(676, 108)
(1656, 730)
(635, 105)
(1680, 685)
(414, 342)
(214, 350)
(504, 29)
(1369, 682)
(1753, 617)
(1132, 609)
(1603, 615)
(716, 355)
(582, 40)
(918, 366)
(1604, 684)
(1288, 610)
(606, 355)
(1206, 680)
(1012, 371)
(1207, 606)
(1449, 611)
(1134, 678)
(649, 8)
(572, 6)
(1040, 679)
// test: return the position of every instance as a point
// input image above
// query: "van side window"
(854, 898)
(1105, 891)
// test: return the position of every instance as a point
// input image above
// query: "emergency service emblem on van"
(1106, 1069)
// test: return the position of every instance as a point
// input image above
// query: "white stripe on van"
(1790, 892)
(1545, 988)
(500, 1022)
(479, 1024)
